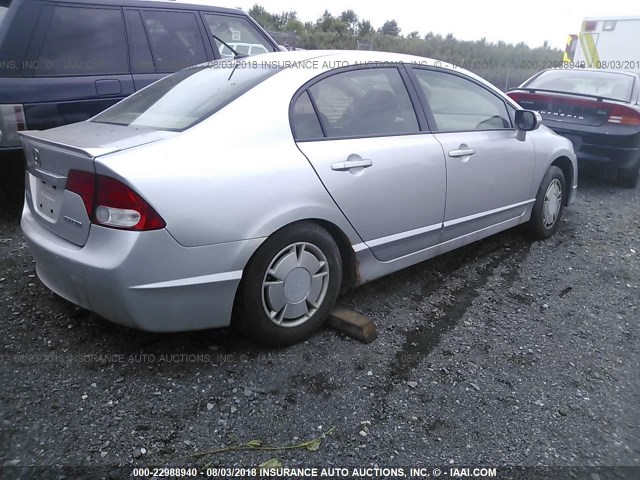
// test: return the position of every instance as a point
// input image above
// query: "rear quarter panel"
(237, 175)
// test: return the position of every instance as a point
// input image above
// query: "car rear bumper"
(601, 155)
(144, 280)
(607, 146)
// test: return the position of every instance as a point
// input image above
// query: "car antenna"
(233, 71)
(233, 50)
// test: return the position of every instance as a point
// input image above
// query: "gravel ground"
(505, 352)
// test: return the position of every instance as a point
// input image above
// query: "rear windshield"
(187, 97)
(616, 86)
(4, 8)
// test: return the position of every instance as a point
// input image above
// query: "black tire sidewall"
(629, 178)
(536, 224)
(251, 319)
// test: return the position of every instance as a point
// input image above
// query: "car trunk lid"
(569, 108)
(52, 154)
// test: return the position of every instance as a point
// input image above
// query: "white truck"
(610, 43)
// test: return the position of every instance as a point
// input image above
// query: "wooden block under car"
(352, 324)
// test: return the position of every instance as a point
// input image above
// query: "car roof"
(362, 56)
(356, 57)
(604, 19)
(161, 4)
(345, 58)
(599, 70)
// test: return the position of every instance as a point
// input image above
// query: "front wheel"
(547, 210)
(289, 286)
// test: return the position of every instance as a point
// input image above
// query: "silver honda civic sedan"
(252, 191)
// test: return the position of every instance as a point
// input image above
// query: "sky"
(531, 21)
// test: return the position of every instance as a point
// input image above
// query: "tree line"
(504, 64)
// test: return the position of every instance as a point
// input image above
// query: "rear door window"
(139, 50)
(84, 41)
(238, 33)
(175, 39)
(304, 119)
(367, 102)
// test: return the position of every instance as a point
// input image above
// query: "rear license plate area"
(47, 199)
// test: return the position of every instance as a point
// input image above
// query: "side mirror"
(527, 120)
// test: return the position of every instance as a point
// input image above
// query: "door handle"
(462, 152)
(349, 164)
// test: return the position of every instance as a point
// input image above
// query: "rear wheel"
(629, 177)
(290, 286)
(547, 210)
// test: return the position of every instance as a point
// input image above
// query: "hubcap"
(295, 284)
(552, 203)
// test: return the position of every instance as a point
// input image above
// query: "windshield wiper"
(233, 50)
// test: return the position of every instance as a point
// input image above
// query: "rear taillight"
(117, 205)
(621, 115)
(84, 184)
(111, 203)
(11, 122)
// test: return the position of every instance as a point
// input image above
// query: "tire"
(289, 286)
(629, 178)
(549, 204)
